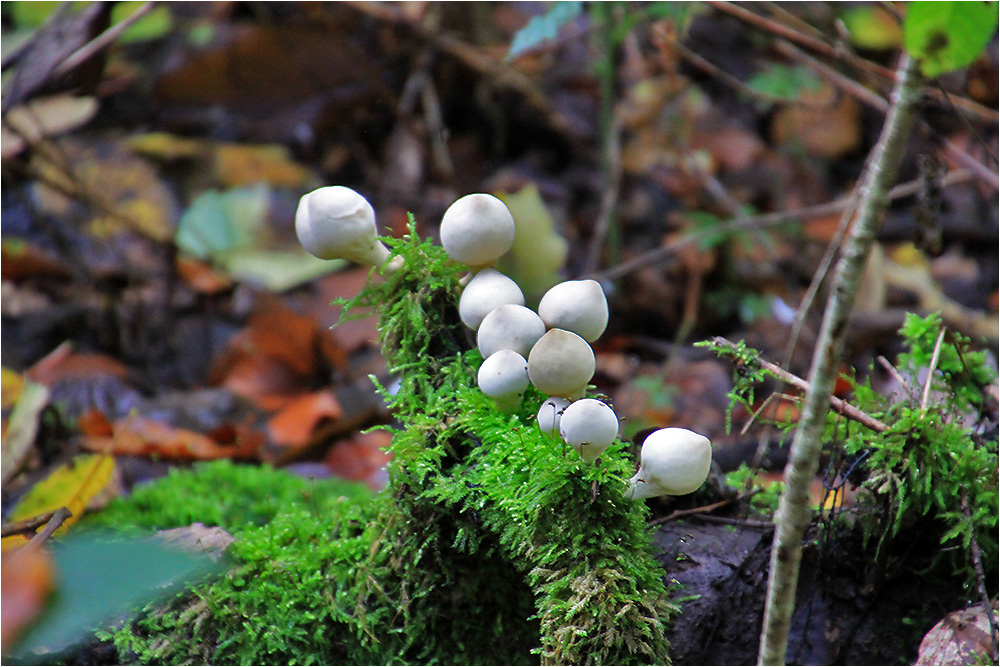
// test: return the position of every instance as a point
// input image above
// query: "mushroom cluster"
(549, 349)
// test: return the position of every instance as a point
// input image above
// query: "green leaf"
(98, 579)
(155, 24)
(543, 28)
(872, 27)
(946, 36)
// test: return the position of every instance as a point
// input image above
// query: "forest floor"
(696, 162)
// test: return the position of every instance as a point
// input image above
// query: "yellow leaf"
(10, 387)
(72, 486)
(22, 428)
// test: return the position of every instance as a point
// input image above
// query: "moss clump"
(491, 545)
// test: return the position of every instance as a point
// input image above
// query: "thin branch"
(58, 518)
(840, 406)
(794, 514)
(29, 525)
(977, 565)
(895, 374)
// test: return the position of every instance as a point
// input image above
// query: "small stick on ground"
(58, 518)
(23, 526)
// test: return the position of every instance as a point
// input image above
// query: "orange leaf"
(26, 581)
(361, 459)
(140, 436)
(293, 425)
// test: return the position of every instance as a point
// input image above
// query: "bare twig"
(57, 519)
(839, 405)
(977, 564)
(29, 525)
(677, 514)
(895, 374)
(103, 40)
(930, 370)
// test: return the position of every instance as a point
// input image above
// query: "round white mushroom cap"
(503, 377)
(550, 414)
(509, 327)
(578, 306)
(589, 426)
(336, 222)
(673, 462)
(561, 364)
(487, 290)
(477, 229)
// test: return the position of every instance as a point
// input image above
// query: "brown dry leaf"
(44, 117)
(22, 260)
(72, 485)
(361, 459)
(961, 638)
(136, 435)
(293, 425)
(64, 364)
(26, 584)
(351, 335)
(274, 358)
(828, 132)
(201, 277)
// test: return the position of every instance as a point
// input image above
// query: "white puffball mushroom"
(503, 377)
(477, 229)
(561, 364)
(550, 414)
(673, 462)
(336, 222)
(509, 327)
(487, 290)
(589, 426)
(578, 306)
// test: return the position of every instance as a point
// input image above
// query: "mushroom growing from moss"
(673, 462)
(503, 377)
(336, 222)
(589, 426)
(550, 414)
(487, 290)
(509, 327)
(578, 306)
(477, 229)
(561, 364)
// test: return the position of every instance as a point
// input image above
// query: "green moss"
(491, 545)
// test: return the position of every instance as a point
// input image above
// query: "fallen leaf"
(539, 251)
(247, 164)
(362, 459)
(22, 428)
(71, 485)
(22, 260)
(828, 132)
(26, 584)
(63, 364)
(44, 117)
(201, 277)
(136, 435)
(132, 195)
(11, 383)
(294, 424)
